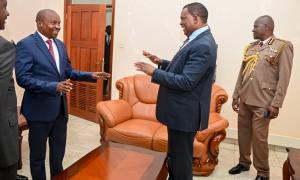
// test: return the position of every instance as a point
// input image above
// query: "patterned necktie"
(49, 42)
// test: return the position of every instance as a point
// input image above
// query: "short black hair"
(197, 9)
(41, 15)
(267, 21)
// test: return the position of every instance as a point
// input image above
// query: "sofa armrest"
(113, 112)
(201, 136)
(218, 98)
(217, 124)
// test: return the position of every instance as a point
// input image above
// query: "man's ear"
(39, 23)
(197, 19)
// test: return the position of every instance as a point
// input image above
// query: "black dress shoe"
(238, 169)
(21, 177)
(258, 177)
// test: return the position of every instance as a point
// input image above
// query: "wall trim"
(274, 139)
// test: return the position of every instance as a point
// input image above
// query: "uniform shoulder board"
(254, 43)
(285, 41)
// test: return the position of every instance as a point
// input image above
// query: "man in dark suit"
(43, 69)
(9, 139)
(106, 56)
(183, 100)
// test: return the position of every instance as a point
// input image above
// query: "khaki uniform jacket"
(267, 83)
(9, 138)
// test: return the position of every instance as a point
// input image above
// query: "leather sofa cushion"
(115, 112)
(160, 143)
(144, 111)
(160, 139)
(145, 91)
(137, 132)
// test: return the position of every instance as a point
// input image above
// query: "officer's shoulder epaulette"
(280, 41)
(285, 41)
(254, 42)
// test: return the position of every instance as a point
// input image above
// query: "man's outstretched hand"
(98, 75)
(152, 58)
(145, 67)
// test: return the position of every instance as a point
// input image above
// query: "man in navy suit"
(43, 69)
(183, 100)
(8, 105)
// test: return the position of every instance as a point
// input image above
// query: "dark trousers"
(180, 154)
(9, 173)
(39, 132)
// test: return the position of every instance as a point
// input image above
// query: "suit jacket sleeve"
(6, 68)
(24, 75)
(164, 64)
(285, 62)
(194, 69)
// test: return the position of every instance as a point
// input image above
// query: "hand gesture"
(64, 86)
(152, 58)
(103, 75)
(145, 67)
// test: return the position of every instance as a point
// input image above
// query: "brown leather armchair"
(131, 120)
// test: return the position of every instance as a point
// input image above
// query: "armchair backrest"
(141, 94)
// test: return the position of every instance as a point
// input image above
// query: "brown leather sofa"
(131, 120)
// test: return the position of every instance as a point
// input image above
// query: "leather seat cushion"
(160, 139)
(160, 143)
(137, 132)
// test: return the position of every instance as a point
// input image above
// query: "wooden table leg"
(163, 174)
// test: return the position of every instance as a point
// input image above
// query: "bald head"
(44, 14)
(263, 27)
(48, 23)
(267, 21)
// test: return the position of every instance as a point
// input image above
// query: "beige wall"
(154, 26)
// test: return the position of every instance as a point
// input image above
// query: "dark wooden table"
(113, 161)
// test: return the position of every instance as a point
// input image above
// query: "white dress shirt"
(55, 49)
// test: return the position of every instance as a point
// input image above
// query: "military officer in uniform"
(259, 93)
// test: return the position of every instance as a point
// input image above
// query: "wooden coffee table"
(113, 161)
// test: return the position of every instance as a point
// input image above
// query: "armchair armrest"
(201, 136)
(218, 98)
(113, 112)
(216, 124)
